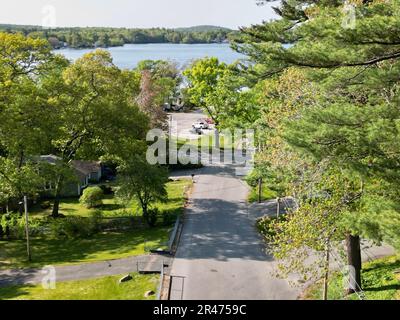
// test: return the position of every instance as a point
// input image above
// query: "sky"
(134, 13)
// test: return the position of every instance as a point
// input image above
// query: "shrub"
(107, 190)
(13, 226)
(267, 226)
(72, 227)
(252, 179)
(91, 197)
(152, 215)
(45, 205)
(169, 219)
(96, 218)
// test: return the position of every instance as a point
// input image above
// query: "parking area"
(182, 125)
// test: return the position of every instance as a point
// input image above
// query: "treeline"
(112, 37)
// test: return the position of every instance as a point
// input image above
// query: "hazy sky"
(134, 13)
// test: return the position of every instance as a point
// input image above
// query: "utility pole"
(28, 248)
(260, 181)
(278, 207)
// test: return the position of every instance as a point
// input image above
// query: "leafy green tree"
(24, 121)
(95, 112)
(203, 77)
(351, 120)
(143, 182)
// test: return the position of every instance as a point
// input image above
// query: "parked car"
(198, 131)
(200, 124)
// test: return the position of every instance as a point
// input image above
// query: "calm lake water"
(128, 56)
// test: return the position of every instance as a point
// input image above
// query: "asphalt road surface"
(221, 255)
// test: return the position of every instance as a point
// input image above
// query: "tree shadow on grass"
(384, 288)
(12, 292)
(99, 247)
(111, 207)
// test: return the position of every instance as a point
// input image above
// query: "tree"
(159, 84)
(351, 121)
(24, 121)
(143, 182)
(149, 103)
(203, 76)
(95, 113)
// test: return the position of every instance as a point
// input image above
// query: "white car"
(200, 125)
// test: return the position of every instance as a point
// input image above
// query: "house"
(85, 173)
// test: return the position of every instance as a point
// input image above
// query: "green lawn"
(204, 139)
(267, 194)
(102, 246)
(380, 282)
(106, 288)
(113, 207)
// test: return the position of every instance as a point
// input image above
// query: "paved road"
(84, 271)
(221, 255)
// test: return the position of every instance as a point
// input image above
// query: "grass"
(106, 288)
(100, 247)
(203, 140)
(113, 207)
(379, 278)
(267, 194)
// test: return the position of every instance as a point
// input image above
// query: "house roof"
(82, 168)
(52, 159)
(86, 167)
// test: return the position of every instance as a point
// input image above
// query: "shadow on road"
(225, 232)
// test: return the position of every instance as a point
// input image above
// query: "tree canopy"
(329, 121)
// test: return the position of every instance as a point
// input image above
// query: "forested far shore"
(94, 37)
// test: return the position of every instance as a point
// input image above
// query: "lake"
(128, 56)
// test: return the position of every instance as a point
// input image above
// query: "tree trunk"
(145, 212)
(260, 181)
(57, 197)
(355, 263)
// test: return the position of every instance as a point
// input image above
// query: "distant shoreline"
(91, 38)
(141, 44)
